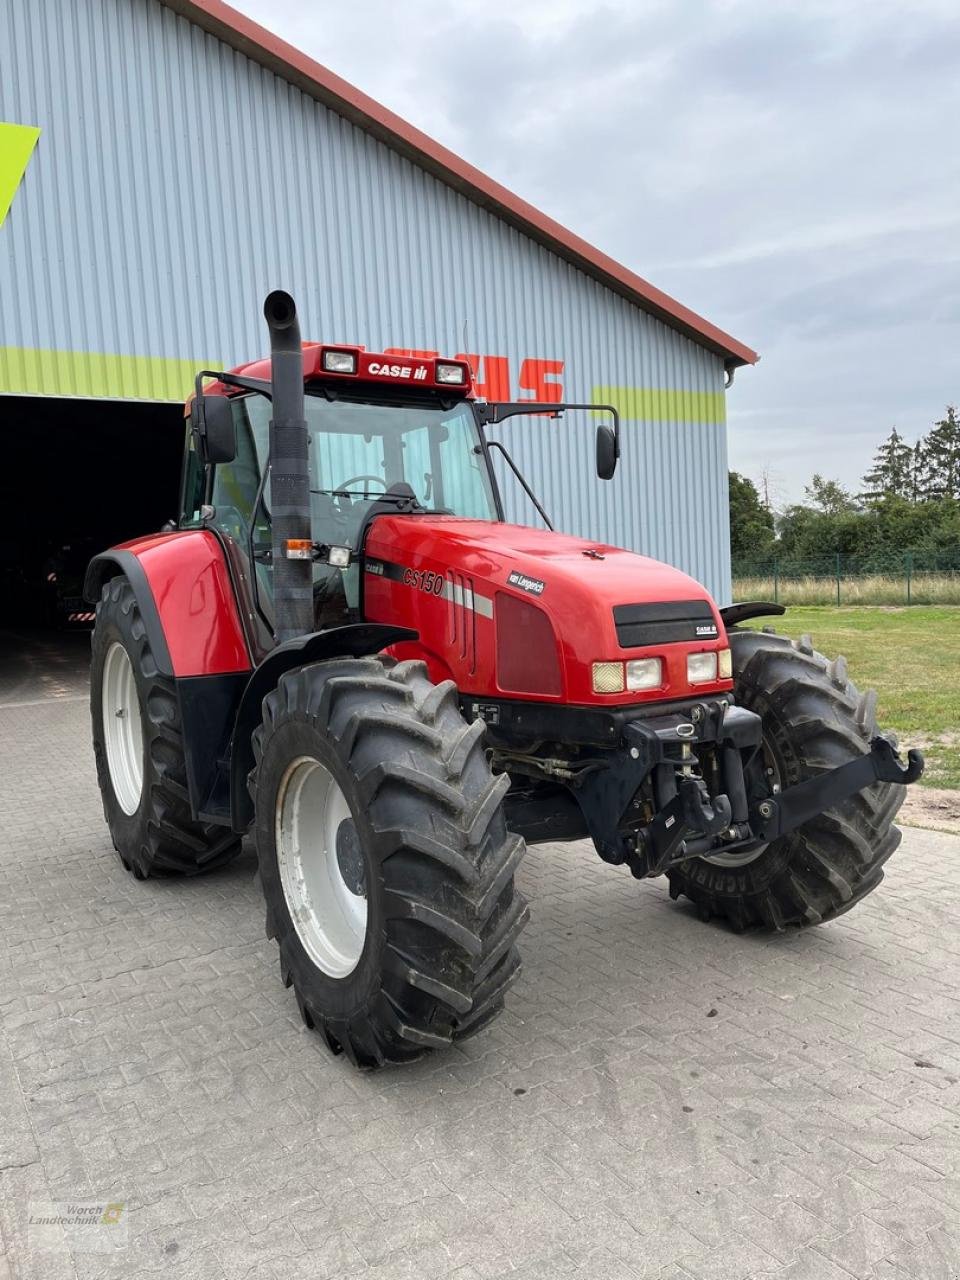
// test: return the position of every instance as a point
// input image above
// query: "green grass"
(912, 658)
(925, 588)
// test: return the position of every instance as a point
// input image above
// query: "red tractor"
(343, 648)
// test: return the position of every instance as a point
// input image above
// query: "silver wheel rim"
(122, 729)
(321, 867)
(736, 858)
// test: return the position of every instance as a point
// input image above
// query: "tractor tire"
(385, 860)
(138, 746)
(814, 719)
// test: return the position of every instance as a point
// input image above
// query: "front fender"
(732, 614)
(355, 640)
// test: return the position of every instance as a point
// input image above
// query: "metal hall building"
(165, 163)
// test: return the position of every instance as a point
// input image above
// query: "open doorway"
(77, 477)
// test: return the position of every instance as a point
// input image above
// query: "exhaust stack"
(289, 470)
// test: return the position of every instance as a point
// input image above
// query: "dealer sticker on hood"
(533, 585)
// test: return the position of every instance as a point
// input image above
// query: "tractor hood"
(543, 563)
(602, 603)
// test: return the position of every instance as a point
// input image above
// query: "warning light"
(299, 549)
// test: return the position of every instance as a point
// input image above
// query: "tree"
(942, 457)
(892, 474)
(751, 524)
(911, 504)
(770, 487)
(830, 497)
(918, 472)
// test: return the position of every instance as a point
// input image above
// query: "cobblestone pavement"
(661, 1098)
(43, 664)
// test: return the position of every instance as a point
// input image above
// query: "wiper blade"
(401, 499)
(365, 493)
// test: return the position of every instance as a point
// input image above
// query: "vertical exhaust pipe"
(289, 470)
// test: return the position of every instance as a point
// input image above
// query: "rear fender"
(186, 599)
(356, 640)
(111, 564)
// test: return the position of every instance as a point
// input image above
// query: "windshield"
(361, 453)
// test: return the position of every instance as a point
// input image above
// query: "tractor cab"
(386, 435)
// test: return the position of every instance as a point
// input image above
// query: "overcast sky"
(789, 170)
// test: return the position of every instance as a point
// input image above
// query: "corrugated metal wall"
(175, 182)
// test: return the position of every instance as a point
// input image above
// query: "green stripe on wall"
(661, 404)
(26, 371)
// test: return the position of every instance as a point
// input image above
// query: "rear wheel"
(138, 745)
(814, 720)
(385, 860)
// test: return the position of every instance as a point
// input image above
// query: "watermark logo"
(82, 1226)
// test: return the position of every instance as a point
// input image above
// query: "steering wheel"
(355, 479)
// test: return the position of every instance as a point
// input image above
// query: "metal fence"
(891, 578)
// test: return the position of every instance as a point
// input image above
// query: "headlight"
(644, 673)
(450, 374)
(726, 664)
(608, 677)
(340, 361)
(701, 668)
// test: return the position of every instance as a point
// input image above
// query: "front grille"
(669, 622)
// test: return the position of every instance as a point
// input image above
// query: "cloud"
(791, 171)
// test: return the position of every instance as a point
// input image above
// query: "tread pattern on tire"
(169, 840)
(452, 914)
(836, 859)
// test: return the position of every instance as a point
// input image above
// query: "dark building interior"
(78, 476)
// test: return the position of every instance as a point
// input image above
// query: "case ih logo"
(540, 379)
(417, 374)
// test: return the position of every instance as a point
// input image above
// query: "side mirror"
(606, 453)
(217, 430)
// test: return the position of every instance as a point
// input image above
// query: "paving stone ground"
(661, 1098)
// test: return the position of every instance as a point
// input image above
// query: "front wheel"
(814, 720)
(385, 860)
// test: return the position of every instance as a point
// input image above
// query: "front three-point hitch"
(659, 772)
